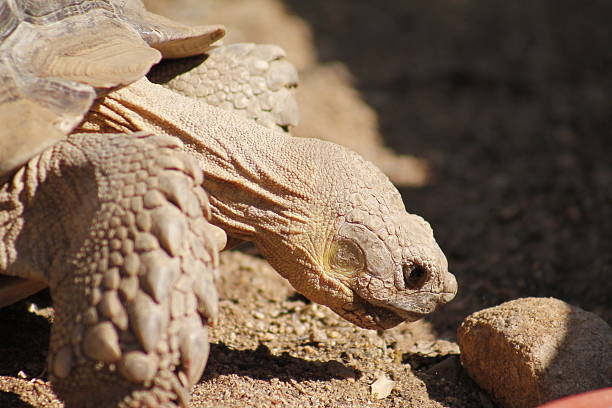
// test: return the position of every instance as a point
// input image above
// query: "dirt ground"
(492, 117)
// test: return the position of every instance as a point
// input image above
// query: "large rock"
(532, 350)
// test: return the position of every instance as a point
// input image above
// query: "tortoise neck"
(259, 181)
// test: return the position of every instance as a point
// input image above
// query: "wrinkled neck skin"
(279, 192)
(257, 197)
(261, 189)
(270, 190)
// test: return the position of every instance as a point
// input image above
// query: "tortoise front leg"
(135, 291)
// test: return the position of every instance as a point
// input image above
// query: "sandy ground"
(492, 117)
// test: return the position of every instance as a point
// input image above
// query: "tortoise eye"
(414, 276)
(346, 257)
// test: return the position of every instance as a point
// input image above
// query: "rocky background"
(493, 119)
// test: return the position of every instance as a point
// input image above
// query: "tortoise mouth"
(374, 317)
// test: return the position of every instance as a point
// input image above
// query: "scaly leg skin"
(135, 290)
(252, 80)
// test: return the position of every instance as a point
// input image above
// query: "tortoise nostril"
(414, 276)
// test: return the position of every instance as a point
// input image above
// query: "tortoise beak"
(449, 284)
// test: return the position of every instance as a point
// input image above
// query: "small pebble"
(309, 349)
(268, 337)
(382, 387)
(300, 329)
(318, 336)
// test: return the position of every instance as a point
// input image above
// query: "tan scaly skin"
(114, 224)
(325, 219)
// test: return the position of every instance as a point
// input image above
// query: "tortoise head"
(360, 253)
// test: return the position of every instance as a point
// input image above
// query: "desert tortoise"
(102, 198)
